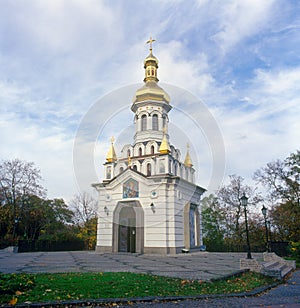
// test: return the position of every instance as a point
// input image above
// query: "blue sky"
(59, 59)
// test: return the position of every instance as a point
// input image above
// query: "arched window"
(140, 152)
(121, 169)
(155, 122)
(134, 167)
(152, 149)
(144, 122)
(148, 169)
(164, 121)
(128, 153)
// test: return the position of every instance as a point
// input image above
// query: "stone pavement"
(199, 265)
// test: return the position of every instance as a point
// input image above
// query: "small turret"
(188, 160)
(111, 156)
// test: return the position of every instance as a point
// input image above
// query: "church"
(148, 200)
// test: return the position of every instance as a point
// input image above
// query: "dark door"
(127, 230)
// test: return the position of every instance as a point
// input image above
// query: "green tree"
(213, 222)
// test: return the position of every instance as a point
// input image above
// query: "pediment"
(127, 175)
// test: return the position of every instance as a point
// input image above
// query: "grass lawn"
(20, 288)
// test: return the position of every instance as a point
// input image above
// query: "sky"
(69, 71)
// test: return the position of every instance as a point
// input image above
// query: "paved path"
(200, 265)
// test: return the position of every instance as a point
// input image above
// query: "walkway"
(200, 265)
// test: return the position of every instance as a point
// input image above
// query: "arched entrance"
(191, 226)
(127, 230)
(128, 227)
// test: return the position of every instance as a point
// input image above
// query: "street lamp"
(244, 201)
(264, 212)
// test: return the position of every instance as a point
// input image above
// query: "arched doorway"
(191, 226)
(127, 230)
(128, 227)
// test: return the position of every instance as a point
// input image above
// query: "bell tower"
(151, 104)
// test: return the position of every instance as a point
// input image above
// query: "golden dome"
(151, 91)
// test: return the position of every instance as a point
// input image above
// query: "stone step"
(277, 269)
(270, 264)
(286, 271)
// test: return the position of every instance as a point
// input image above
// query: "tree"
(229, 198)
(18, 180)
(213, 222)
(282, 180)
(85, 214)
(84, 207)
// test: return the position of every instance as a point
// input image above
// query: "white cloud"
(241, 19)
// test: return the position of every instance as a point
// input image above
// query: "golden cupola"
(111, 156)
(151, 90)
(188, 160)
(164, 146)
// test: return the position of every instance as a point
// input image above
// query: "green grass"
(20, 288)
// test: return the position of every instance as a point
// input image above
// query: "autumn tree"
(229, 199)
(18, 180)
(84, 207)
(281, 178)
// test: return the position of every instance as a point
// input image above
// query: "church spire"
(164, 146)
(150, 64)
(188, 160)
(111, 154)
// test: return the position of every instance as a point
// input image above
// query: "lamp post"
(264, 212)
(244, 202)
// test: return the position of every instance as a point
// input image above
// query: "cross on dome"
(150, 41)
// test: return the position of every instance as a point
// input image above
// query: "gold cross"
(112, 139)
(150, 41)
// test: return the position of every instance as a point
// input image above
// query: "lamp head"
(264, 211)
(244, 200)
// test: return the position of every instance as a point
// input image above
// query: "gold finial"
(188, 160)
(111, 154)
(150, 41)
(164, 146)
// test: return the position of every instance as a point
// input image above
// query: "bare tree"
(282, 179)
(18, 180)
(84, 207)
(229, 198)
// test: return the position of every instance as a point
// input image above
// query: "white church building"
(148, 199)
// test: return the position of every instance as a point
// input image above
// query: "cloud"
(58, 58)
(241, 19)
